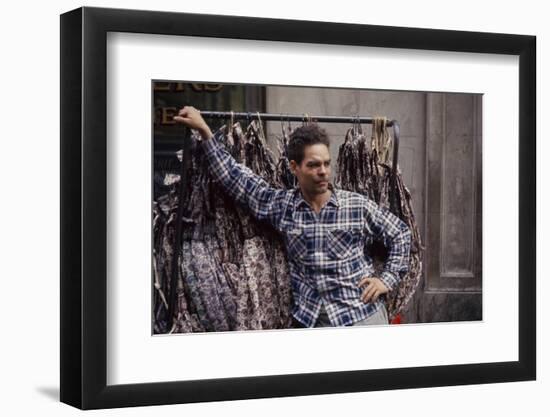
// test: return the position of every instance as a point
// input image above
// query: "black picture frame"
(83, 207)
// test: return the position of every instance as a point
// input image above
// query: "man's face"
(314, 171)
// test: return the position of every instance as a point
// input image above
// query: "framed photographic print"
(254, 286)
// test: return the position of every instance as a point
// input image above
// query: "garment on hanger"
(233, 273)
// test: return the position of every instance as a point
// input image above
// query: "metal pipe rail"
(282, 117)
(289, 117)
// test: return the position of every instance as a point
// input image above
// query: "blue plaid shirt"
(326, 249)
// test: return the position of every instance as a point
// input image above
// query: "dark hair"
(307, 135)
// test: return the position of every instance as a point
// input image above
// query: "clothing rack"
(305, 117)
(291, 117)
(262, 117)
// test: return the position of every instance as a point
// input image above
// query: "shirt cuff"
(389, 279)
(210, 145)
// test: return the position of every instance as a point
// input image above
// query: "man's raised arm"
(245, 187)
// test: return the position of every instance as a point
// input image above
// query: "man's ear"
(293, 166)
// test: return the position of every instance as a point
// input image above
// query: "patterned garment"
(239, 286)
(257, 270)
(325, 250)
(223, 286)
(282, 282)
(205, 271)
(193, 284)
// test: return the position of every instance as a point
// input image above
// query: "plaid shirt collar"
(300, 202)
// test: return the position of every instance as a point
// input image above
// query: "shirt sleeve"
(240, 183)
(396, 236)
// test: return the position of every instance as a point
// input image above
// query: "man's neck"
(317, 201)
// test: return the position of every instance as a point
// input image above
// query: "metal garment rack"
(249, 116)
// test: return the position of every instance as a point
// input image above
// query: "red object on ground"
(396, 320)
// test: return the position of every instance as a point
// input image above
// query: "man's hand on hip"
(374, 288)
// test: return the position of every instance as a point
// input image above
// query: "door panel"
(452, 279)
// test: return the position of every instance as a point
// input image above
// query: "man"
(324, 229)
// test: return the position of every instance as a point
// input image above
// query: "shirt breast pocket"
(342, 243)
